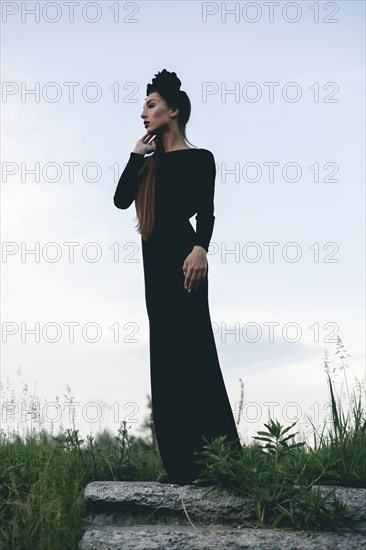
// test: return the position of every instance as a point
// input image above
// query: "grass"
(279, 473)
(43, 476)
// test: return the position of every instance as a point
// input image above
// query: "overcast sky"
(278, 97)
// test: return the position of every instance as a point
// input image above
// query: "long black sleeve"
(205, 218)
(127, 185)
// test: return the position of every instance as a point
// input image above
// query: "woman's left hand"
(195, 268)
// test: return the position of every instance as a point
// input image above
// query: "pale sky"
(309, 135)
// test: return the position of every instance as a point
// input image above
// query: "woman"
(169, 186)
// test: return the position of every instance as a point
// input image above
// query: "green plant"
(269, 475)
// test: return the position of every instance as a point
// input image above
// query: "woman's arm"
(195, 265)
(205, 218)
(127, 185)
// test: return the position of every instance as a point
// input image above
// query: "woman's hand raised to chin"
(146, 144)
(195, 268)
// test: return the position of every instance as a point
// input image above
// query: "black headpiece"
(168, 85)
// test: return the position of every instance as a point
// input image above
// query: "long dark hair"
(167, 84)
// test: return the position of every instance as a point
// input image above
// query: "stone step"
(144, 515)
(146, 502)
(180, 537)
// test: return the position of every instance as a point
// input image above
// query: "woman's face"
(156, 113)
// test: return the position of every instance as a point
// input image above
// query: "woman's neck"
(173, 141)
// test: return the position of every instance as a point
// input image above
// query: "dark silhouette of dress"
(189, 397)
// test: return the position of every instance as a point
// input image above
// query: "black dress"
(189, 397)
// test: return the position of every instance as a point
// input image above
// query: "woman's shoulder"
(206, 157)
(205, 152)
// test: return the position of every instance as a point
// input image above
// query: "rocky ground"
(150, 515)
